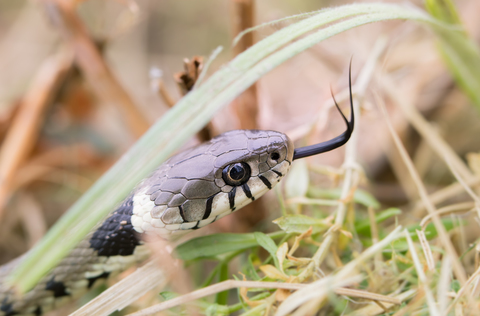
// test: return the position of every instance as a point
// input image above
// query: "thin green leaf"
(251, 272)
(168, 295)
(217, 244)
(269, 245)
(222, 297)
(300, 223)
(363, 227)
(459, 51)
(444, 10)
(217, 310)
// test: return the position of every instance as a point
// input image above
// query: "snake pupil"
(237, 172)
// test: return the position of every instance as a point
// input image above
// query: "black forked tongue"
(337, 141)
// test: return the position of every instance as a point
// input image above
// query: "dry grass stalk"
(232, 284)
(459, 207)
(463, 183)
(373, 309)
(124, 292)
(213, 289)
(465, 289)
(90, 61)
(23, 132)
(427, 252)
(442, 233)
(444, 284)
(444, 194)
(425, 129)
(433, 309)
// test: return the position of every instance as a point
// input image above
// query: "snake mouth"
(337, 141)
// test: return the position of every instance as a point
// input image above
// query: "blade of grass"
(460, 53)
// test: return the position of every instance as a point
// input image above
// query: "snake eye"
(275, 156)
(236, 174)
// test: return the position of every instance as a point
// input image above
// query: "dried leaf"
(273, 273)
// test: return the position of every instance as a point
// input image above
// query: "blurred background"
(78, 87)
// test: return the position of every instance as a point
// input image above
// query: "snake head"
(200, 185)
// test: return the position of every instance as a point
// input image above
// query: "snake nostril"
(275, 156)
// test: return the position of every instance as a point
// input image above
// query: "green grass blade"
(218, 244)
(460, 53)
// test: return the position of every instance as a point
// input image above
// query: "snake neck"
(116, 235)
(109, 249)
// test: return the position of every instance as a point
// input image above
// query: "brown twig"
(243, 17)
(186, 81)
(87, 56)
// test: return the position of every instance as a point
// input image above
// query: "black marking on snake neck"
(7, 308)
(208, 207)
(279, 174)
(38, 311)
(116, 236)
(231, 198)
(58, 288)
(182, 213)
(196, 226)
(247, 191)
(265, 181)
(92, 280)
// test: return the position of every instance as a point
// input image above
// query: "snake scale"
(190, 190)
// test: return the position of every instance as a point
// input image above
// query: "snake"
(190, 190)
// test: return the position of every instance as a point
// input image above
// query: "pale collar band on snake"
(192, 189)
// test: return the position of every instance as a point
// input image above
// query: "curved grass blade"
(460, 52)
